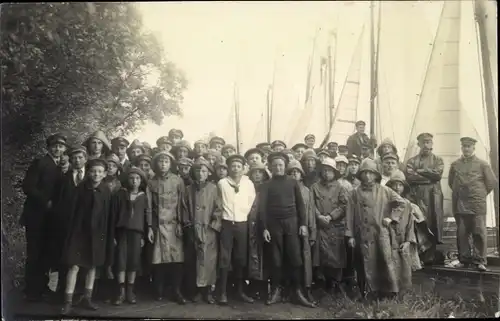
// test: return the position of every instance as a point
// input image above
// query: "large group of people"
(351, 218)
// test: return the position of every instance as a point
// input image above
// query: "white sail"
(451, 105)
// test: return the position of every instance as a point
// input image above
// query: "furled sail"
(451, 103)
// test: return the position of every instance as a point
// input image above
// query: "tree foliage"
(77, 67)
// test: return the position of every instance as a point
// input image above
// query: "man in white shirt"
(237, 194)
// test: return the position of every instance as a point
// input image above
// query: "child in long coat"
(202, 225)
(87, 236)
(128, 230)
(165, 225)
(309, 250)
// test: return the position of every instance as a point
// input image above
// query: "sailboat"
(457, 97)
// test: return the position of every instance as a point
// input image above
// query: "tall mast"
(237, 118)
(374, 63)
(489, 101)
(269, 107)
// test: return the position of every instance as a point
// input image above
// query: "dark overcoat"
(87, 240)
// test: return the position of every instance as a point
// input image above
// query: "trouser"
(285, 248)
(189, 281)
(348, 273)
(332, 276)
(470, 225)
(37, 267)
(233, 252)
(359, 268)
(172, 271)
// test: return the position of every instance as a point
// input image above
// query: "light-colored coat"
(309, 254)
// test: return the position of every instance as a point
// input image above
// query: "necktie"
(79, 176)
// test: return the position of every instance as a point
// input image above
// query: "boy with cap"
(182, 150)
(299, 150)
(228, 150)
(310, 140)
(87, 241)
(371, 211)
(135, 149)
(283, 217)
(144, 163)
(289, 153)
(390, 163)
(310, 164)
(98, 145)
(471, 179)
(323, 154)
(220, 169)
(202, 225)
(254, 156)
(211, 156)
(217, 143)
(333, 148)
(39, 185)
(237, 195)
(356, 141)
(119, 147)
(343, 150)
(352, 170)
(424, 173)
(330, 200)
(175, 136)
(164, 144)
(166, 192)
(278, 146)
(184, 170)
(200, 148)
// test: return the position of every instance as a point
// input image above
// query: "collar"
(75, 171)
(468, 159)
(125, 158)
(56, 160)
(99, 188)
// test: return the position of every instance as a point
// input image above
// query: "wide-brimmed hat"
(57, 138)
(341, 159)
(254, 150)
(114, 159)
(386, 141)
(369, 164)
(324, 152)
(390, 156)
(164, 140)
(259, 166)
(309, 153)
(275, 155)
(185, 161)
(330, 162)
(119, 141)
(399, 176)
(295, 164)
(218, 140)
(235, 158)
(354, 159)
(135, 144)
(99, 134)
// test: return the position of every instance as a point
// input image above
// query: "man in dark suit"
(358, 139)
(39, 186)
(64, 194)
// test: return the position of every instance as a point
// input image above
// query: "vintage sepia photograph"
(247, 160)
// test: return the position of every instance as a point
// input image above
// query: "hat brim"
(336, 171)
(255, 150)
(275, 155)
(289, 170)
(299, 145)
(405, 184)
(379, 176)
(235, 158)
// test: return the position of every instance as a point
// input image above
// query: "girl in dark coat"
(128, 231)
(87, 236)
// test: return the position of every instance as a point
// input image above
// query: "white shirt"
(75, 174)
(236, 206)
(385, 179)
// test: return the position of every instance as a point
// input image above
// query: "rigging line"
(389, 107)
(417, 108)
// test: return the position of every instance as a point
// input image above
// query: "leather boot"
(130, 294)
(310, 296)
(121, 295)
(179, 297)
(196, 297)
(68, 304)
(241, 293)
(275, 296)
(223, 298)
(87, 301)
(303, 300)
(209, 297)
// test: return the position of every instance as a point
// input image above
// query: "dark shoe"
(285, 295)
(223, 298)
(310, 296)
(121, 296)
(245, 298)
(196, 298)
(209, 297)
(303, 300)
(87, 301)
(34, 298)
(130, 294)
(179, 297)
(482, 268)
(68, 304)
(275, 296)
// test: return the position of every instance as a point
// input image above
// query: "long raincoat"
(256, 246)
(167, 198)
(203, 213)
(331, 199)
(368, 206)
(310, 255)
(425, 189)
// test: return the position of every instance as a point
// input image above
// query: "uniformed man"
(175, 135)
(216, 143)
(358, 139)
(310, 140)
(333, 148)
(119, 147)
(423, 174)
(471, 179)
(278, 146)
(299, 150)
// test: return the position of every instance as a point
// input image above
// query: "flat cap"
(77, 149)
(308, 136)
(254, 150)
(390, 156)
(200, 142)
(354, 159)
(300, 145)
(424, 136)
(360, 122)
(175, 132)
(228, 146)
(114, 159)
(119, 141)
(138, 171)
(278, 142)
(163, 154)
(235, 158)
(57, 138)
(164, 140)
(185, 144)
(185, 161)
(324, 152)
(468, 141)
(97, 162)
(217, 140)
(143, 157)
(309, 153)
(278, 155)
(264, 145)
(331, 144)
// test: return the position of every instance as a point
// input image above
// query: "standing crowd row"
(196, 218)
